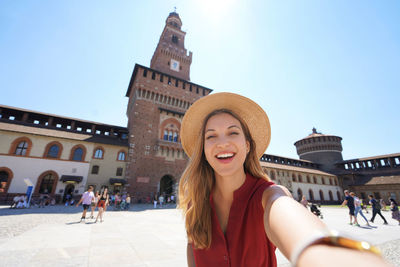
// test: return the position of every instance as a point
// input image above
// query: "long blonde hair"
(198, 180)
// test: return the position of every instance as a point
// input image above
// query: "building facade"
(57, 154)
(65, 155)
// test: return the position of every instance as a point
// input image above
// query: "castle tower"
(320, 148)
(171, 55)
(158, 98)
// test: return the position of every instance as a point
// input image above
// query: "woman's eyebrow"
(232, 126)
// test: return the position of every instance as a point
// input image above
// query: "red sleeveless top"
(245, 243)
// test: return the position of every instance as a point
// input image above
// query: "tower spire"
(171, 56)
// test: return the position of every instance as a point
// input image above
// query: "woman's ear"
(247, 147)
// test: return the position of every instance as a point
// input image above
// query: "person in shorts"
(86, 201)
(349, 201)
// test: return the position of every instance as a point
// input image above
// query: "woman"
(394, 208)
(93, 205)
(235, 216)
(357, 205)
(103, 201)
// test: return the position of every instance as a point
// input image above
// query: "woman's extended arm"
(287, 224)
(190, 256)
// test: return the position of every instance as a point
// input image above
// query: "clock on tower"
(174, 65)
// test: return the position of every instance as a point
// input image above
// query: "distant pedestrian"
(161, 199)
(172, 198)
(155, 201)
(357, 206)
(349, 201)
(395, 210)
(376, 209)
(94, 204)
(102, 203)
(128, 202)
(304, 202)
(86, 201)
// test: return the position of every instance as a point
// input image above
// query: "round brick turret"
(320, 148)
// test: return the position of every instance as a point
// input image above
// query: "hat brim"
(250, 112)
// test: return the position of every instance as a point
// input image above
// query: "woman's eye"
(234, 133)
(210, 136)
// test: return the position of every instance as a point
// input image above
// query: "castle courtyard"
(143, 236)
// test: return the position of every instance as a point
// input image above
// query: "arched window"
(330, 195)
(335, 181)
(95, 169)
(165, 135)
(338, 195)
(170, 136)
(294, 177)
(308, 179)
(119, 171)
(311, 194)
(77, 154)
(300, 179)
(322, 180)
(315, 179)
(53, 152)
(330, 181)
(321, 195)
(21, 148)
(47, 183)
(98, 153)
(299, 193)
(175, 137)
(121, 156)
(6, 176)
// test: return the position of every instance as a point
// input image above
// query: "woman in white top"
(357, 205)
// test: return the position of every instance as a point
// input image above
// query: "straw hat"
(252, 114)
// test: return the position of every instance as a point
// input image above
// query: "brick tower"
(171, 55)
(158, 98)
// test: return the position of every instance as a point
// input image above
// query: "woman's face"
(225, 145)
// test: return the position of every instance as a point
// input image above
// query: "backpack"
(378, 205)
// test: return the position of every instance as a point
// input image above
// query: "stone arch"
(321, 195)
(167, 183)
(40, 180)
(338, 195)
(330, 195)
(299, 194)
(311, 194)
(5, 185)
(164, 125)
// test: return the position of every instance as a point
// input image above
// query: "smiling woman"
(235, 216)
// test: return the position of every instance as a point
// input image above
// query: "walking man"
(86, 200)
(376, 209)
(349, 201)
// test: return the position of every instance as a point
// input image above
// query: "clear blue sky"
(333, 65)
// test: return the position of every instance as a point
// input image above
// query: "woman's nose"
(222, 142)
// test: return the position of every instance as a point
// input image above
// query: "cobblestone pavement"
(52, 236)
